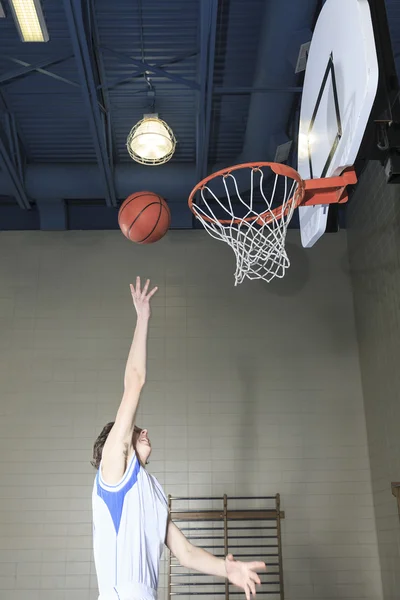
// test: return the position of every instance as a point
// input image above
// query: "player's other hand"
(244, 574)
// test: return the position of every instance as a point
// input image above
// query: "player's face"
(142, 444)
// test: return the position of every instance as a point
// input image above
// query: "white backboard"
(340, 86)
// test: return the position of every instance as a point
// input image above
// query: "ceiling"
(224, 77)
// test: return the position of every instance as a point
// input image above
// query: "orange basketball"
(144, 217)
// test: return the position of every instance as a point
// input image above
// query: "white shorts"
(130, 591)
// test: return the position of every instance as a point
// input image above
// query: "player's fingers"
(146, 287)
(252, 587)
(137, 288)
(254, 577)
(153, 291)
(247, 592)
(257, 566)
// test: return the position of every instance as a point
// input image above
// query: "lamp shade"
(151, 141)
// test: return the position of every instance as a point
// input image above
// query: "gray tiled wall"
(252, 390)
(374, 251)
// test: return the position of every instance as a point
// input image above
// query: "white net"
(253, 222)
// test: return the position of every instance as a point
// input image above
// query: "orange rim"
(267, 216)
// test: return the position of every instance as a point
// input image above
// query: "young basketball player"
(130, 512)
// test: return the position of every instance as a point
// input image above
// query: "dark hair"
(101, 440)
(99, 445)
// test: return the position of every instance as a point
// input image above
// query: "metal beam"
(7, 165)
(42, 71)
(139, 72)
(251, 90)
(208, 28)
(81, 181)
(11, 157)
(102, 89)
(13, 143)
(22, 143)
(147, 67)
(17, 73)
(84, 60)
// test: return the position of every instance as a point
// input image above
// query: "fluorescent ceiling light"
(29, 19)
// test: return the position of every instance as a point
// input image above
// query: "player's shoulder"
(116, 461)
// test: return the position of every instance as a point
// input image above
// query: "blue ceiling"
(224, 80)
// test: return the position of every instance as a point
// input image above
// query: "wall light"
(151, 141)
(29, 19)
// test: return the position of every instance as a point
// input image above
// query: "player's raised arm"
(119, 443)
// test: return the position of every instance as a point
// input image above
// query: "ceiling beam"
(221, 91)
(14, 143)
(140, 71)
(40, 67)
(12, 153)
(208, 28)
(101, 87)
(217, 90)
(23, 146)
(8, 166)
(152, 68)
(97, 119)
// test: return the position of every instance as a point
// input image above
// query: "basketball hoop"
(250, 206)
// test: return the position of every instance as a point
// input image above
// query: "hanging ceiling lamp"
(151, 141)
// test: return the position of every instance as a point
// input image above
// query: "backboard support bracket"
(331, 190)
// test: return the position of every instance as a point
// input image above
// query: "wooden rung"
(221, 536)
(232, 515)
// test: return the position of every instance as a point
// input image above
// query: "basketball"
(144, 217)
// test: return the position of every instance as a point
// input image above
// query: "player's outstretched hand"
(244, 574)
(141, 298)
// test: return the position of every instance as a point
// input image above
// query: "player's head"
(99, 445)
(140, 442)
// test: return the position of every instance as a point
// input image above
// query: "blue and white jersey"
(129, 529)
